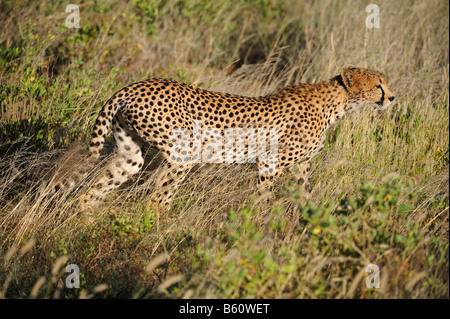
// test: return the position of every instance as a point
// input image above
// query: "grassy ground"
(379, 188)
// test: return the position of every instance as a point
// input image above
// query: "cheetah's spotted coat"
(149, 110)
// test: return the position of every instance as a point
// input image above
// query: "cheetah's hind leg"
(301, 173)
(167, 182)
(126, 162)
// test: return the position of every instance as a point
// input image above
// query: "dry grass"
(380, 187)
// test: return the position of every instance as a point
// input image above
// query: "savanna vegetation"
(379, 188)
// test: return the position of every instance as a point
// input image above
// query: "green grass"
(379, 188)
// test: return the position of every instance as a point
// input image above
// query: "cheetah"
(151, 110)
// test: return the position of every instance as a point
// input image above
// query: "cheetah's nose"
(391, 98)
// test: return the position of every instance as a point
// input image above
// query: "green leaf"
(405, 208)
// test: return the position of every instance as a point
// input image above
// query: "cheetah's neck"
(335, 100)
(327, 99)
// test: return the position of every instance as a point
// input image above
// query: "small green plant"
(123, 226)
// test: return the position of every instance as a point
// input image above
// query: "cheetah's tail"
(100, 130)
(102, 125)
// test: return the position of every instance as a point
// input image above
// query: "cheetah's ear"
(348, 77)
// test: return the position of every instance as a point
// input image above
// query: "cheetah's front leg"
(267, 177)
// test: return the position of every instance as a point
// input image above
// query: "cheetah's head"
(366, 86)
